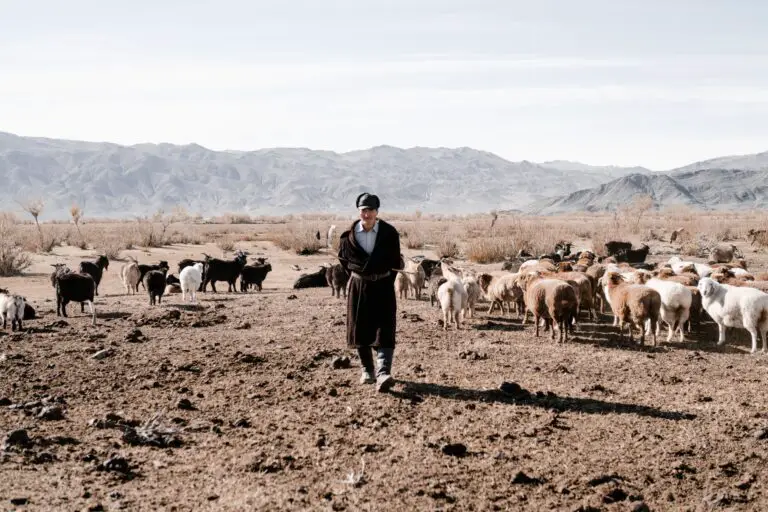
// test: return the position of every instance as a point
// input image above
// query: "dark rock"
(639, 506)
(19, 501)
(615, 495)
(17, 438)
(51, 413)
(135, 336)
(761, 434)
(454, 449)
(243, 326)
(339, 363)
(4, 402)
(116, 464)
(746, 482)
(185, 404)
(523, 479)
(43, 458)
(242, 423)
(514, 390)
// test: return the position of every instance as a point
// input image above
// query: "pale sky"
(654, 83)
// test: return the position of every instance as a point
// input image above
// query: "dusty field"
(256, 417)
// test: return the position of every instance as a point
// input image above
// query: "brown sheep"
(502, 290)
(553, 300)
(697, 308)
(585, 290)
(686, 279)
(634, 304)
(594, 273)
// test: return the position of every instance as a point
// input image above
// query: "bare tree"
(35, 207)
(494, 218)
(77, 214)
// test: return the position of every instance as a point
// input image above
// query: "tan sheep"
(634, 304)
(585, 289)
(723, 253)
(402, 285)
(686, 279)
(416, 277)
(502, 290)
(553, 300)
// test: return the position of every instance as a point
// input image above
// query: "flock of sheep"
(557, 288)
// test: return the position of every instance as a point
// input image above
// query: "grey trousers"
(383, 359)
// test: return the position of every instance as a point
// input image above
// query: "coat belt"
(371, 277)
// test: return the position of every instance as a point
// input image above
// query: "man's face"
(368, 217)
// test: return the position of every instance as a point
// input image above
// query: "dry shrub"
(111, 249)
(414, 238)
(447, 248)
(488, 250)
(302, 240)
(226, 245)
(13, 260)
(185, 237)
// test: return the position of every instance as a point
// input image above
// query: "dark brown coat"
(371, 305)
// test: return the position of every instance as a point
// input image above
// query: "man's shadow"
(416, 391)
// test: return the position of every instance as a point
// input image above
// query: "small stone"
(639, 506)
(185, 404)
(51, 413)
(761, 434)
(103, 354)
(333, 392)
(19, 501)
(522, 478)
(339, 363)
(746, 482)
(243, 326)
(454, 449)
(292, 297)
(514, 390)
(615, 495)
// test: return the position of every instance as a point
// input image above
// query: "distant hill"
(110, 180)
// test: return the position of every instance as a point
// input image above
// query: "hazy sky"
(646, 82)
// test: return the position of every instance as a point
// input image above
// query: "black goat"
(633, 255)
(224, 270)
(337, 278)
(612, 248)
(59, 269)
(95, 269)
(75, 287)
(172, 279)
(254, 275)
(154, 282)
(143, 269)
(429, 266)
(313, 280)
(188, 263)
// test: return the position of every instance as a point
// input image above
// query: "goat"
(190, 278)
(435, 280)
(188, 263)
(12, 307)
(429, 267)
(614, 247)
(130, 275)
(154, 282)
(453, 301)
(224, 270)
(143, 269)
(337, 278)
(416, 276)
(75, 287)
(329, 239)
(95, 269)
(312, 280)
(254, 275)
(730, 306)
(633, 255)
(474, 292)
(172, 280)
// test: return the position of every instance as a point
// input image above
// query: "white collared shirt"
(366, 239)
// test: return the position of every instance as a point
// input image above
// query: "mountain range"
(111, 180)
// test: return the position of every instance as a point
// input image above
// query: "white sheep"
(474, 292)
(416, 277)
(734, 306)
(12, 307)
(453, 301)
(190, 278)
(676, 302)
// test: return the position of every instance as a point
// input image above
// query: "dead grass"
(489, 250)
(301, 239)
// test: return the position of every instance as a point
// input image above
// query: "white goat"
(734, 306)
(12, 307)
(130, 275)
(453, 300)
(474, 292)
(190, 278)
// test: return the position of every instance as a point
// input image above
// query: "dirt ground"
(235, 404)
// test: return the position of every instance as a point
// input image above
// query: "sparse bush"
(112, 249)
(447, 248)
(488, 250)
(13, 260)
(302, 241)
(414, 238)
(226, 245)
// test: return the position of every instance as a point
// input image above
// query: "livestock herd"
(556, 289)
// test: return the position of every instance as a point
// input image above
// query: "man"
(369, 251)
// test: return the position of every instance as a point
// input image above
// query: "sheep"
(538, 265)
(724, 253)
(502, 290)
(585, 291)
(12, 306)
(154, 282)
(453, 301)
(190, 278)
(186, 262)
(741, 307)
(686, 279)
(633, 255)
(223, 270)
(95, 269)
(130, 276)
(553, 300)
(696, 308)
(680, 266)
(254, 275)
(632, 303)
(75, 287)
(612, 248)
(676, 302)
(337, 278)
(474, 292)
